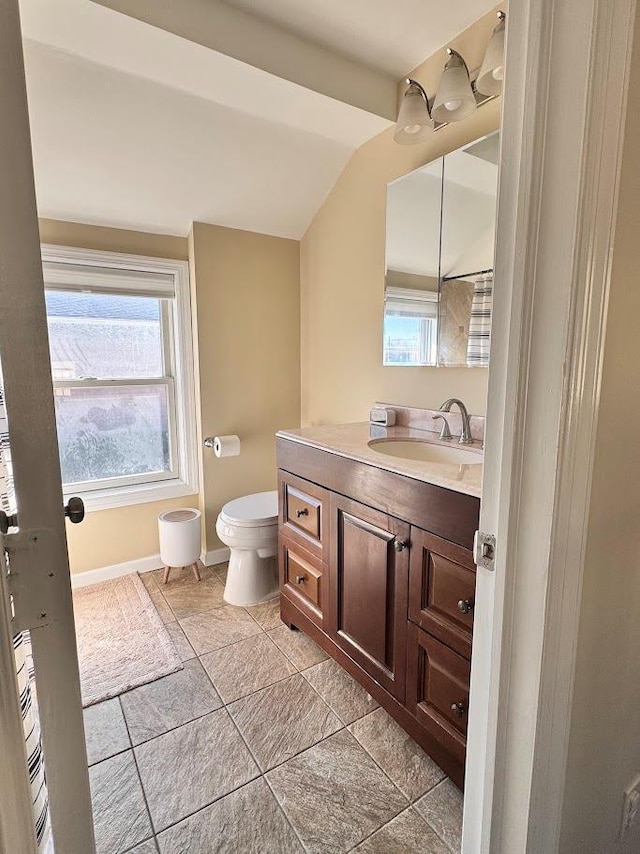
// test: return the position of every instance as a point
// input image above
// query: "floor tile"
(335, 795)
(182, 645)
(221, 570)
(246, 666)
(248, 821)
(165, 612)
(267, 614)
(149, 581)
(283, 720)
(442, 809)
(340, 692)
(194, 597)
(148, 847)
(397, 753)
(105, 731)
(159, 706)
(120, 815)
(405, 834)
(298, 647)
(218, 628)
(192, 766)
(180, 576)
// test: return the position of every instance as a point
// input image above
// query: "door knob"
(458, 709)
(464, 606)
(7, 521)
(74, 510)
(399, 545)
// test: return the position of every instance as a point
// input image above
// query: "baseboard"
(214, 556)
(105, 573)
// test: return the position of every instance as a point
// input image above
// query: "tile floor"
(261, 745)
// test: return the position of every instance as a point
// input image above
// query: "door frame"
(39, 579)
(563, 126)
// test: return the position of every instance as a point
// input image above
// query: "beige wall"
(248, 337)
(604, 749)
(342, 273)
(108, 537)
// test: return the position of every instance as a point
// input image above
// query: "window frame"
(135, 274)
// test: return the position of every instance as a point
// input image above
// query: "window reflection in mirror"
(410, 335)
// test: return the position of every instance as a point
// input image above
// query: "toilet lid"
(252, 511)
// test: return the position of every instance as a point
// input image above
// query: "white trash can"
(180, 537)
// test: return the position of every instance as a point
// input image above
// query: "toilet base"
(251, 579)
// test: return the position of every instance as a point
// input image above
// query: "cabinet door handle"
(458, 709)
(399, 545)
(300, 579)
(303, 512)
(465, 605)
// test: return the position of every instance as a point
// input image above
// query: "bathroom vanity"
(376, 566)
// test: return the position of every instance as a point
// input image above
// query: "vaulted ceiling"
(242, 113)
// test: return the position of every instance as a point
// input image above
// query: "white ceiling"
(392, 35)
(136, 127)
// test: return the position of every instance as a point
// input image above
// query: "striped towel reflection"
(480, 323)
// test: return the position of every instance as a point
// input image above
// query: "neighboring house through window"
(122, 367)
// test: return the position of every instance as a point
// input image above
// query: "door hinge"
(29, 579)
(484, 550)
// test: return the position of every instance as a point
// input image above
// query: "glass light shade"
(491, 74)
(414, 121)
(454, 99)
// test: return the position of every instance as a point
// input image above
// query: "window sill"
(141, 493)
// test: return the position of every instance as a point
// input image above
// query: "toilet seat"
(252, 511)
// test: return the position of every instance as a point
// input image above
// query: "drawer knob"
(400, 546)
(458, 709)
(300, 579)
(464, 606)
(303, 512)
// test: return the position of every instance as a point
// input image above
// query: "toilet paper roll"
(226, 446)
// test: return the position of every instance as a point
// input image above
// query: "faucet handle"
(445, 433)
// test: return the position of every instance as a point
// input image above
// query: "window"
(122, 368)
(410, 327)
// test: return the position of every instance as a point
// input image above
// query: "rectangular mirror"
(439, 260)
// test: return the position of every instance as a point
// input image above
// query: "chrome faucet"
(465, 436)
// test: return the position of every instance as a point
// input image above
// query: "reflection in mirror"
(410, 335)
(439, 260)
(469, 194)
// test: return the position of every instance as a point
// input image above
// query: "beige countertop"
(352, 440)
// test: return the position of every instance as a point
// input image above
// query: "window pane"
(409, 340)
(112, 432)
(104, 336)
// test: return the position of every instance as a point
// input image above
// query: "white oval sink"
(426, 452)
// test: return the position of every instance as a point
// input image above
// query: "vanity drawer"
(303, 515)
(438, 689)
(442, 585)
(302, 578)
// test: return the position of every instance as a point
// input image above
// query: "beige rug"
(122, 642)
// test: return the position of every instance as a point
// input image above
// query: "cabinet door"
(442, 586)
(438, 690)
(368, 590)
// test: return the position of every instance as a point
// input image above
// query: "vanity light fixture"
(414, 116)
(459, 93)
(454, 99)
(491, 74)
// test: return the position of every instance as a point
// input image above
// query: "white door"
(37, 579)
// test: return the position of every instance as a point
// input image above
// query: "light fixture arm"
(410, 82)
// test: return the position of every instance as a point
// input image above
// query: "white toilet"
(249, 526)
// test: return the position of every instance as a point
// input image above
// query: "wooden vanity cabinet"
(385, 584)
